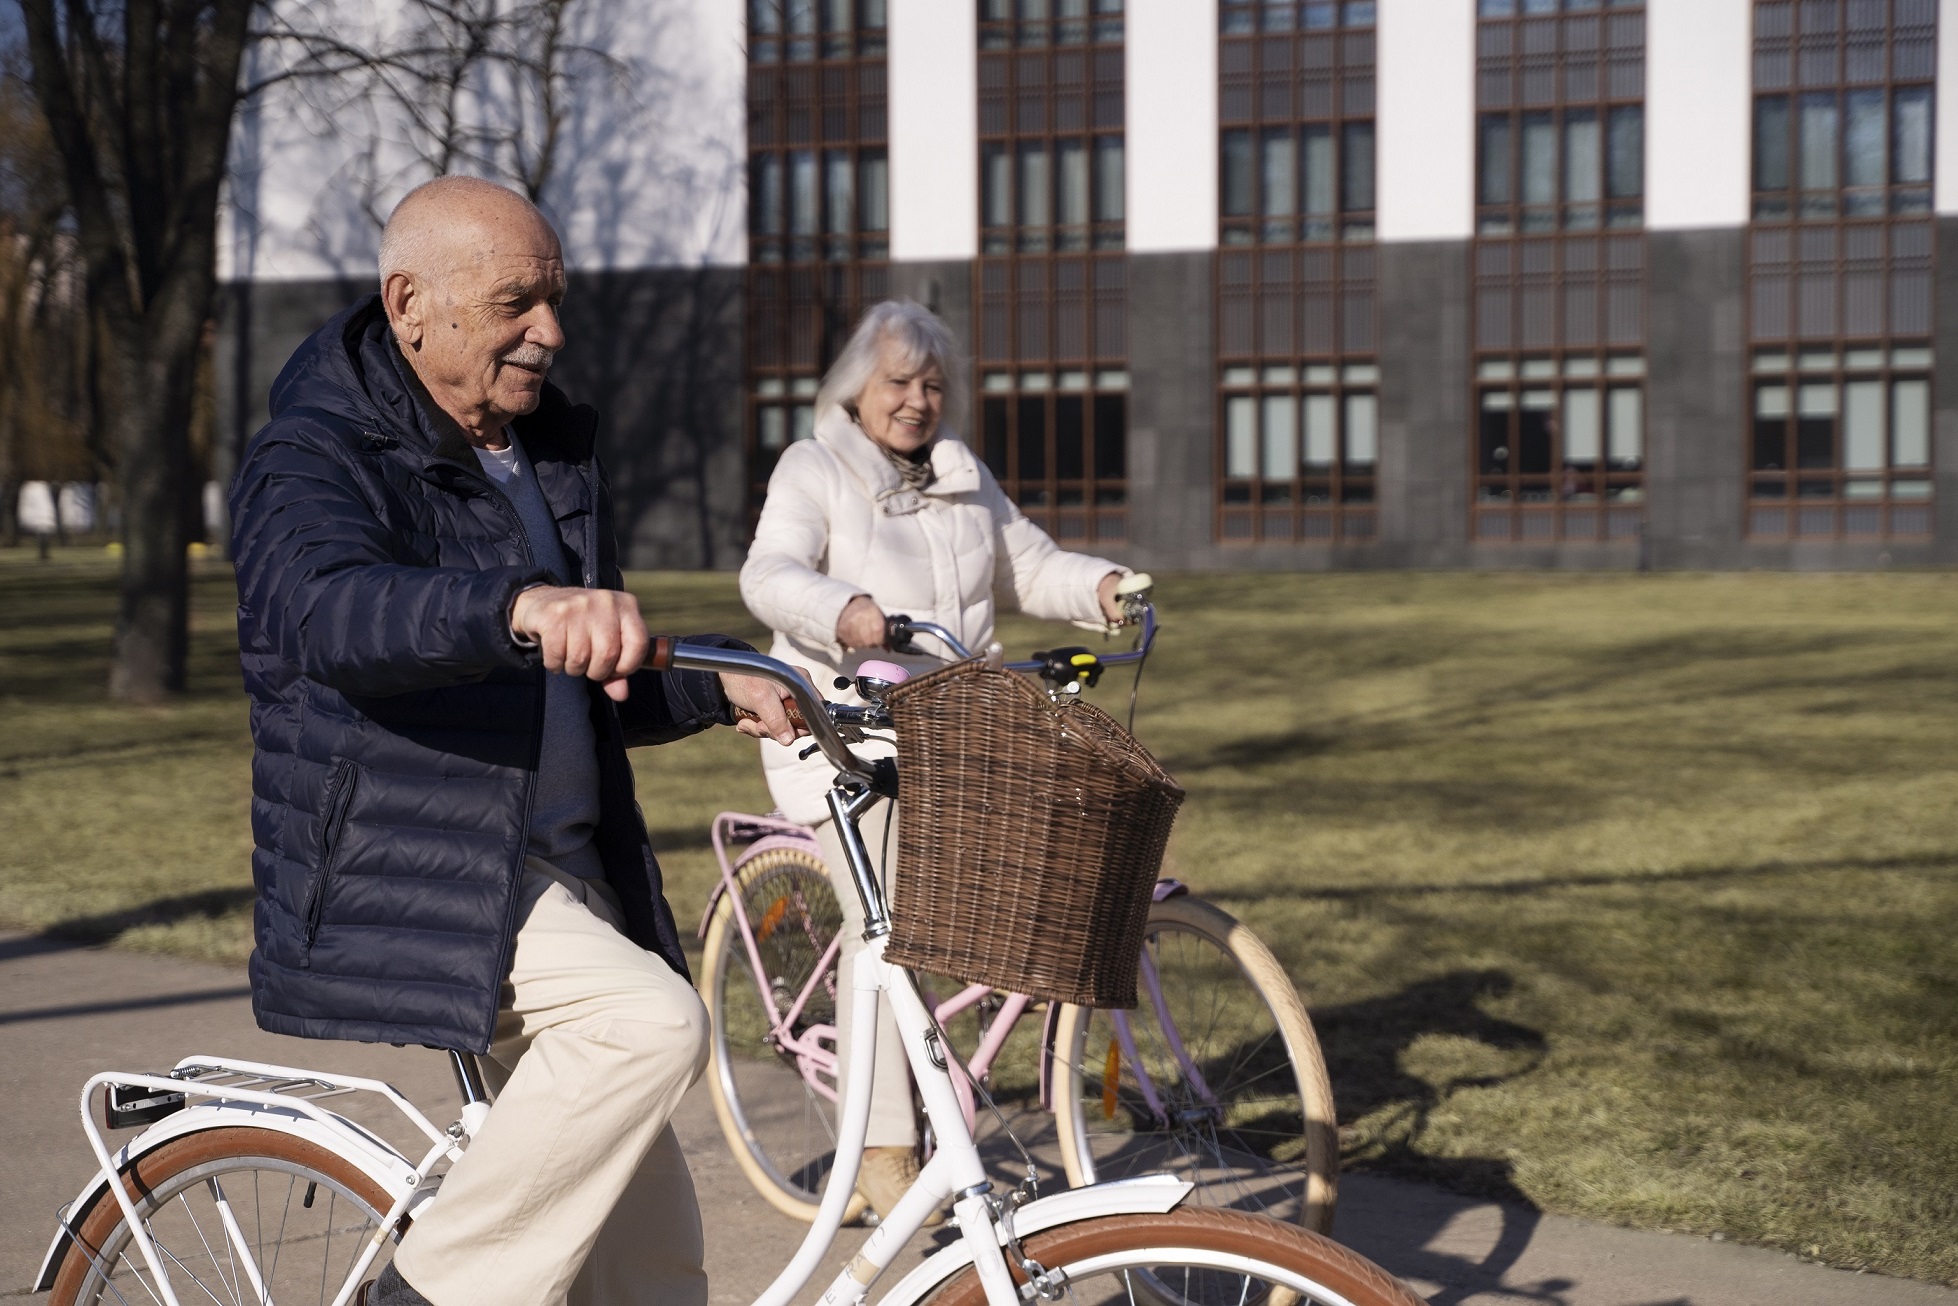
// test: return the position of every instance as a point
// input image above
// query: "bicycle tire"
(156, 1180)
(1281, 1161)
(1218, 1251)
(759, 1095)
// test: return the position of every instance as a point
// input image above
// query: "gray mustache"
(531, 356)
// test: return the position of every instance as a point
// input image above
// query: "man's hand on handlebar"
(769, 704)
(594, 633)
(861, 624)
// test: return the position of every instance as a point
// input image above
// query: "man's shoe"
(886, 1175)
(389, 1289)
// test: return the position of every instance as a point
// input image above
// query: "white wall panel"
(650, 170)
(1946, 163)
(1172, 125)
(1426, 119)
(1698, 113)
(934, 129)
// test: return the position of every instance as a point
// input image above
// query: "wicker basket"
(1029, 838)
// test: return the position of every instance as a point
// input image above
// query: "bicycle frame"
(811, 1048)
(264, 1096)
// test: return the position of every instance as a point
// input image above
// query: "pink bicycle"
(1216, 1077)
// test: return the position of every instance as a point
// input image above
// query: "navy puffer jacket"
(397, 723)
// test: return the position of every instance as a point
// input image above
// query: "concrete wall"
(658, 351)
(1696, 410)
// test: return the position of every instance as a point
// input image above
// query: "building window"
(818, 205)
(1559, 271)
(1299, 449)
(1296, 364)
(1841, 443)
(1840, 269)
(1560, 446)
(1560, 129)
(1051, 282)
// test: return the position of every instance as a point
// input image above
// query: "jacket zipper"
(509, 509)
(347, 780)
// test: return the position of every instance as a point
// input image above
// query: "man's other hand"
(594, 633)
(768, 701)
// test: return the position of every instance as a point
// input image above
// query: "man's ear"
(403, 301)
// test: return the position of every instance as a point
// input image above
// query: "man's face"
(483, 330)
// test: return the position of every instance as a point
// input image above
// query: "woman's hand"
(861, 624)
(1111, 607)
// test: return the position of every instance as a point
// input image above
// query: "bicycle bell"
(875, 678)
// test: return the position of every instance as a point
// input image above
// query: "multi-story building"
(1276, 284)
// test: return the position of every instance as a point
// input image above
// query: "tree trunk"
(150, 380)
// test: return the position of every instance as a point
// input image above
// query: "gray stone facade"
(660, 354)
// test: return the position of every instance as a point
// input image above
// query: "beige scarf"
(914, 468)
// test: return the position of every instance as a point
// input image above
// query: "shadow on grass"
(1943, 860)
(209, 904)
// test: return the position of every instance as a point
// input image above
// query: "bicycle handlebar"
(900, 629)
(669, 654)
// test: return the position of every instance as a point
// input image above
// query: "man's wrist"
(517, 637)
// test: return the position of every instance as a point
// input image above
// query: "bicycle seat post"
(469, 1077)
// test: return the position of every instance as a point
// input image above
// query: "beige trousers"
(892, 1121)
(574, 1190)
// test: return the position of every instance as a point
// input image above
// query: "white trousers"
(574, 1190)
(892, 1121)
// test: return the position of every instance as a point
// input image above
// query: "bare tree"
(45, 354)
(474, 86)
(139, 97)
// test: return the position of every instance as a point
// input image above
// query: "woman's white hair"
(921, 339)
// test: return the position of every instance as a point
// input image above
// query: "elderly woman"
(887, 511)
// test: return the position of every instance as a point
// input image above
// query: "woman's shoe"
(886, 1175)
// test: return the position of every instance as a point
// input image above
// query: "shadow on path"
(1365, 1045)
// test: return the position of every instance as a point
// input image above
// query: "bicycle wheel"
(304, 1213)
(1203, 1257)
(1244, 1110)
(778, 1121)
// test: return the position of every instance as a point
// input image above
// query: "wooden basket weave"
(1030, 834)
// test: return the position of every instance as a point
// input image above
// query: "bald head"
(471, 277)
(453, 220)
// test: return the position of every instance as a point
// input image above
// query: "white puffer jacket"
(839, 522)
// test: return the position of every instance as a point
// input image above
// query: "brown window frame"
(1049, 295)
(817, 85)
(1841, 279)
(1295, 285)
(1602, 498)
(1558, 281)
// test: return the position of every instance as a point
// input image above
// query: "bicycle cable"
(1032, 1182)
(952, 1057)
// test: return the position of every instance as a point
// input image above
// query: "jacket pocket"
(340, 786)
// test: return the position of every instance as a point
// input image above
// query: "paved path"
(67, 1012)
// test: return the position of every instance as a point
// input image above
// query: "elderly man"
(444, 670)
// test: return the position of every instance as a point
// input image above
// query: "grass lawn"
(1633, 897)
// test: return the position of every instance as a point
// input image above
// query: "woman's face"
(900, 407)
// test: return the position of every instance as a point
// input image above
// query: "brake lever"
(897, 633)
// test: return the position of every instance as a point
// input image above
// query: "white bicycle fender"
(390, 1171)
(1150, 1194)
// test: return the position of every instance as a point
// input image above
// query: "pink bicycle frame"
(814, 1049)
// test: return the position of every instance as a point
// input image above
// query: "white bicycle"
(246, 1187)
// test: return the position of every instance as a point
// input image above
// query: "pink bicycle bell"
(874, 677)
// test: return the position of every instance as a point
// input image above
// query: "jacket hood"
(352, 369)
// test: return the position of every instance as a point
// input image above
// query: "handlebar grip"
(661, 658)
(796, 718)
